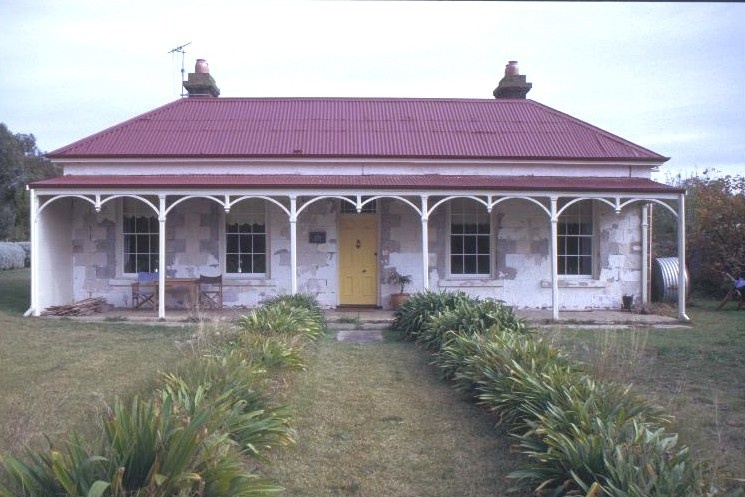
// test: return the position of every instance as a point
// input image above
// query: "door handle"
(364, 270)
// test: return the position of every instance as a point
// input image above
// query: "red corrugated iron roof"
(376, 182)
(356, 127)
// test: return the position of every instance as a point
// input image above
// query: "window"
(245, 232)
(470, 238)
(140, 230)
(575, 240)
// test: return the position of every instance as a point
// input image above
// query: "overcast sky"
(667, 76)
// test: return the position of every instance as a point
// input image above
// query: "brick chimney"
(200, 83)
(512, 85)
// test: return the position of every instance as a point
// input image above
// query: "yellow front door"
(358, 260)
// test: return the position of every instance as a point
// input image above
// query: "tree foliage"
(715, 230)
(20, 163)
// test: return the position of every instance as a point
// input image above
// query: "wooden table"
(191, 284)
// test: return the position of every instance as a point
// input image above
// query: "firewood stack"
(83, 307)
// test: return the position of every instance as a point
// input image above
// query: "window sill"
(238, 281)
(575, 283)
(471, 283)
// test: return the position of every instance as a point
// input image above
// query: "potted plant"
(627, 302)
(401, 280)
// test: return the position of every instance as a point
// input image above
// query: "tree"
(715, 230)
(20, 163)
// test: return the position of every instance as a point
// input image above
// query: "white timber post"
(162, 257)
(554, 260)
(293, 243)
(682, 259)
(645, 253)
(425, 243)
(34, 234)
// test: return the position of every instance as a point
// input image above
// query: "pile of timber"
(79, 308)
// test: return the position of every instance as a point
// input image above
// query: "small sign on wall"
(317, 237)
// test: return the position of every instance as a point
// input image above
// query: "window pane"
(456, 264)
(456, 244)
(585, 265)
(246, 263)
(231, 263)
(143, 243)
(469, 245)
(260, 263)
(469, 264)
(129, 224)
(483, 245)
(260, 244)
(483, 264)
(130, 265)
(456, 229)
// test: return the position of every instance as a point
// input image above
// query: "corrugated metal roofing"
(380, 182)
(356, 128)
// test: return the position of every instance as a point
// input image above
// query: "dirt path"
(375, 420)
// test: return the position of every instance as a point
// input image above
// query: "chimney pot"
(200, 83)
(513, 85)
(202, 67)
(512, 69)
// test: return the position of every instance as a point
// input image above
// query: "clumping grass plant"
(192, 435)
(583, 436)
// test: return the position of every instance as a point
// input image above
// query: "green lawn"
(375, 419)
(55, 372)
(697, 375)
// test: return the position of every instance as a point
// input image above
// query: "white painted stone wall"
(195, 245)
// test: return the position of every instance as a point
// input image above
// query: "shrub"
(583, 437)
(237, 410)
(149, 448)
(12, 256)
(300, 300)
(414, 314)
(283, 317)
(468, 316)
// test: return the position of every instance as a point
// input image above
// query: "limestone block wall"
(400, 247)
(521, 274)
(94, 256)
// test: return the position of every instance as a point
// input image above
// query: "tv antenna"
(180, 49)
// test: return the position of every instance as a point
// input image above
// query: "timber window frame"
(140, 237)
(470, 234)
(576, 240)
(246, 239)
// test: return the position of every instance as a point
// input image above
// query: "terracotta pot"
(397, 299)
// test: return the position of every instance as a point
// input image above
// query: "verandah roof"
(383, 182)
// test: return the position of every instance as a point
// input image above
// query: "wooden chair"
(145, 290)
(210, 291)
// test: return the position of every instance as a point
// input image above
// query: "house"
(502, 198)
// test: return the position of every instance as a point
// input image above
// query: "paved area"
(350, 320)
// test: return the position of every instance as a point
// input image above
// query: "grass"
(54, 373)
(695, 374)
(375, 420)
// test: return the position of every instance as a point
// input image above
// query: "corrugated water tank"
(665, 280)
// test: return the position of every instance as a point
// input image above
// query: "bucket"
(665, 280)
